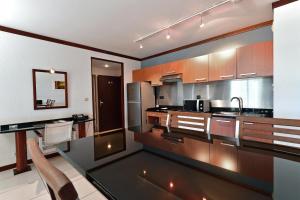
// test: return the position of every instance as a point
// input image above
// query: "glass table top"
(127, 165)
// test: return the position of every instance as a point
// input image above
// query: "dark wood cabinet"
(195, 70)
(222, 126)
(222, 65)
(224, 155)
(255, 60)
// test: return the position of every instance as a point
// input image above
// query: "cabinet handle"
(248, 123)
(223, 121)
(227, 76)
(200, 79)
(226, 144)
(248, 74)
(171, 72)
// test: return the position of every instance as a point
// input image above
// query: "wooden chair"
(59, 186)
(270, 131)
(196, 122)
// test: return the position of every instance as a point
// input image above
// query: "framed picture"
(60, 85)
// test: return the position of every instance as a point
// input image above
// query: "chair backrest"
(270, 130)
(190, 121)
(60, 187)
(57, 133)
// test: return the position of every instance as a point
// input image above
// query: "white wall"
(287, 90)
(18, 56)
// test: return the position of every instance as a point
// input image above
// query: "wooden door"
(153, 74)
(255, 60)
(175, 67)
(110, 102)
(222, 65)
(195, 70)
(138, 75)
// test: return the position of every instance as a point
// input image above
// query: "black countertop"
(35, 125)
(127, 165)
(219, 112)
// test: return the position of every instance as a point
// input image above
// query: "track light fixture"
(168, 36)
(202, 12)
(201, 23)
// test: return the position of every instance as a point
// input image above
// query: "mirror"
(50, 89)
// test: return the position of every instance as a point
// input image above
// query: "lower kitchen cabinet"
(256, 165)
(224, 155)
(222, 126)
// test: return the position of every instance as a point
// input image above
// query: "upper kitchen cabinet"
(195, 70)
(222, 65)
(138, 75)
(255, 60)
(172, 68)
(153, 74)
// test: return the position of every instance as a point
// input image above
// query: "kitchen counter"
(145, 164)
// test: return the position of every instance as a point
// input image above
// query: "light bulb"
(168, 36)
(202, 25)
(141, 46)
(106, 65)
(52, 71)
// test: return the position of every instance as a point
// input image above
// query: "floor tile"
(83, 187)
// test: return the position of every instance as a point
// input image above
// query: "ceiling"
(113, 25)
(106, 64)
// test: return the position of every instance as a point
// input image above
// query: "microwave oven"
(196, 105)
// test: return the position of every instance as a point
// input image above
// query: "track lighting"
(141, 46)
(197, 14)
(202, 24)
(168, 36)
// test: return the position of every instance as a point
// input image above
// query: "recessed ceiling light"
(109, 146)
(106, 65)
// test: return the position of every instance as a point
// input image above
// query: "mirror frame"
(34, 71)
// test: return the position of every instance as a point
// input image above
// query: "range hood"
(171, 78)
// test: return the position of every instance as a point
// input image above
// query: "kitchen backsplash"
(256, 92)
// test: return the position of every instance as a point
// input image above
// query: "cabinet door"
(153, 74)
(224, 155)
(222, 126)
(222, 65)
(172, 68)
(195, 70)
(255, 60)
(261, 169)
(138, 75)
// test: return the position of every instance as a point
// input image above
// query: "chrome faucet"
(240, 99)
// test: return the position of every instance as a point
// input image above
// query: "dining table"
(131, 165)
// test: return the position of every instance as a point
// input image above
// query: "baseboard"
(11, 166)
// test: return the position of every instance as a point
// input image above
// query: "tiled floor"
(29, 185)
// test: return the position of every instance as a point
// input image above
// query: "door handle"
(101, 102)
(227, 76)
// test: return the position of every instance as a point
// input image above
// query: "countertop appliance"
(140, 97)
(196, 105)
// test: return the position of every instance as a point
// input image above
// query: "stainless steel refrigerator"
(140, 96)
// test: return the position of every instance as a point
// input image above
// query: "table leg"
(21, 153)
(81, 130)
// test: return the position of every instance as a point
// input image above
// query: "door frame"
(122, 89)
